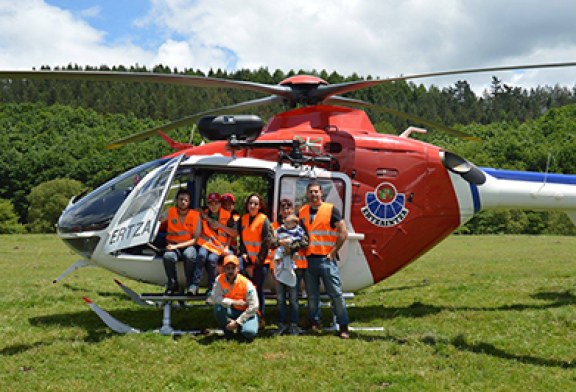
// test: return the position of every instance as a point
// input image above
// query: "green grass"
(476, 313)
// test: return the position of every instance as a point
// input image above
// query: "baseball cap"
(214, 197)
(230, 259)
(228, 197)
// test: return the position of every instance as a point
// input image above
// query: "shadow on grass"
(83, 290)
(146, 320)
(460, 343)
(419, 309)
(201, 318)
(489, 349)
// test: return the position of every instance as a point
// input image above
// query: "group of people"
(297, 248)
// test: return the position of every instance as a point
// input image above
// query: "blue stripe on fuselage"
(475, 198)
(553, 178)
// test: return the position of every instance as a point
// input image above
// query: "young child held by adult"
(290, 234)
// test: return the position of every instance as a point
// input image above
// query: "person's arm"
(197, 231)
(342, 236)
(217, 297)
(251, 302)
(241, 246)
(227, 228)
(266, 240)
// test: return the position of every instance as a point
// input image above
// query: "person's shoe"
(281, 330)
(209, 297)
(315, 328)
(344, 333)
(171, 288)
(294, 330)
(192, 290)
(170, 291)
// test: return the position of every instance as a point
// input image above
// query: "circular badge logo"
(385, 207)
(385, 193)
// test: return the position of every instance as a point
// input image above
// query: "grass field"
(476, 313)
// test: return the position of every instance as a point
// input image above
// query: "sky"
(380, 38)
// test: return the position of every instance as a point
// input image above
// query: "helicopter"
(399, 196)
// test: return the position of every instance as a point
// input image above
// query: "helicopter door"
(136, 222)
(336, 189)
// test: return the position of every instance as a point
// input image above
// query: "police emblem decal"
(385, 207)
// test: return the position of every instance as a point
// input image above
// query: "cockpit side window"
(95, 210)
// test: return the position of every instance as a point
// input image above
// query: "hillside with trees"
(57, 130)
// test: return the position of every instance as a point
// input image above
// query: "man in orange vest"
(326, 234)
(236, 301)
(182, 231)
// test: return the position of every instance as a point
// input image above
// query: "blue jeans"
(223, 315)
(258, 279)
(322, 268)
(171, 257)
(208, 259)
(281, 290)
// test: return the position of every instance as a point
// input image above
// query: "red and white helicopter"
(399, 196)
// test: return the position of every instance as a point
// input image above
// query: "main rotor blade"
(324, 92)
(192, 119)
(143, 77)
(431, 124)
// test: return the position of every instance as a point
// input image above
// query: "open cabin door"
(336, 189)
(136, 222)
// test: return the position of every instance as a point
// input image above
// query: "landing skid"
(168, 302)
(77, 265)
(149, 300)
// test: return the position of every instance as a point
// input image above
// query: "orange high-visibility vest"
(299, 256)
(178, 231)
(214, 240)
(252, 235)
(238, 291)
(223, 218)
(321, 237)
(209, 239)
(234, 242)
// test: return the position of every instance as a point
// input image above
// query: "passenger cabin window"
(294, 188)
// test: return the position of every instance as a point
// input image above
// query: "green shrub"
(47, 201)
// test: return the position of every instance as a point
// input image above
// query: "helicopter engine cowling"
(242, 127)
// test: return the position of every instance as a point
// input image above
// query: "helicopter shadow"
(83, 290)
(482, 348)
(418, 309)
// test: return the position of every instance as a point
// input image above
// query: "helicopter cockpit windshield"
(95, 211)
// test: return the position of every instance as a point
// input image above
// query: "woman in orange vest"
(217, 226)
(255, 235)
(287, 208)
(182, 232)
(235, 301)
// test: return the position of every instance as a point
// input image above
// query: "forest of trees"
(52, 130)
